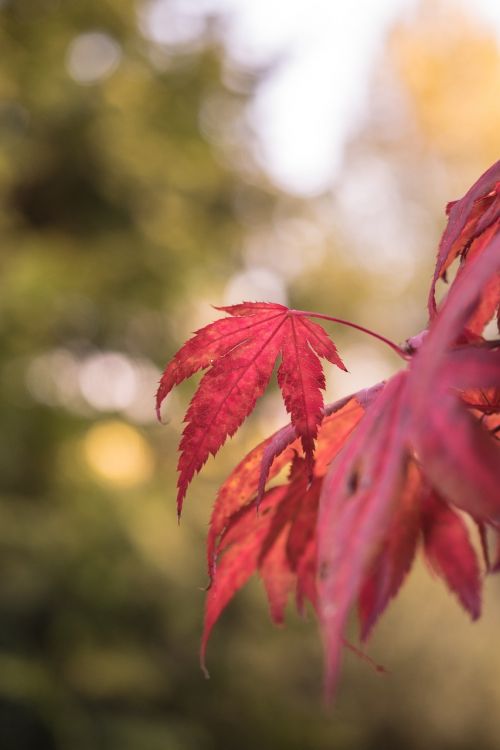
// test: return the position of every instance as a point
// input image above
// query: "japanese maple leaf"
(279, 543)
(371, 504)
(240, 534)
(246, 484)
(373, 476)
(468, 219)
(395, 558)
(460, 456)
(240, 353)
(421, 515)
(266, 542)
(359, 497)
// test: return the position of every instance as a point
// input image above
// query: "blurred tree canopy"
(128, 198)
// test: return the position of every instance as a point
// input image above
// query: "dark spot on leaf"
(353, 482)
(323, 570)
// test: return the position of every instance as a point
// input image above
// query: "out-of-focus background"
(156, 157)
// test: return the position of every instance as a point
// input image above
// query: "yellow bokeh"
(118, 453)
(450, 67)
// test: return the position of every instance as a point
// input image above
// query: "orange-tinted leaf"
(259, 541)
(278, 577)
(340, 419)
(334, 432)
(290, 504)
(239, 552)
(483, 400)
(240, 489)
(307, 576)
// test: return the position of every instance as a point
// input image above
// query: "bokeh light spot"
(170, 23)
(92, 57)
(108, 381)
(118, 454)
(255, 285)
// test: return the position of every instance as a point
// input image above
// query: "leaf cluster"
(373, 477)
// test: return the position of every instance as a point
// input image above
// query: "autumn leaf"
(240, 353)
(246, 483)
(238, 553)
(461, 458)
(372, 476)
(339, 419)
(468, 218)
(450, 553)
(396, 555)
(357, 502)
(351, 411)
(268, 541)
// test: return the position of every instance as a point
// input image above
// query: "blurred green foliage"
(114, 208)
(124, 204)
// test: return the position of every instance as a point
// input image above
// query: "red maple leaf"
(468, 219)
(375, 476)
(449, 551)
(240, 353)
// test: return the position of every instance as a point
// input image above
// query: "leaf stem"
(404, 355)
